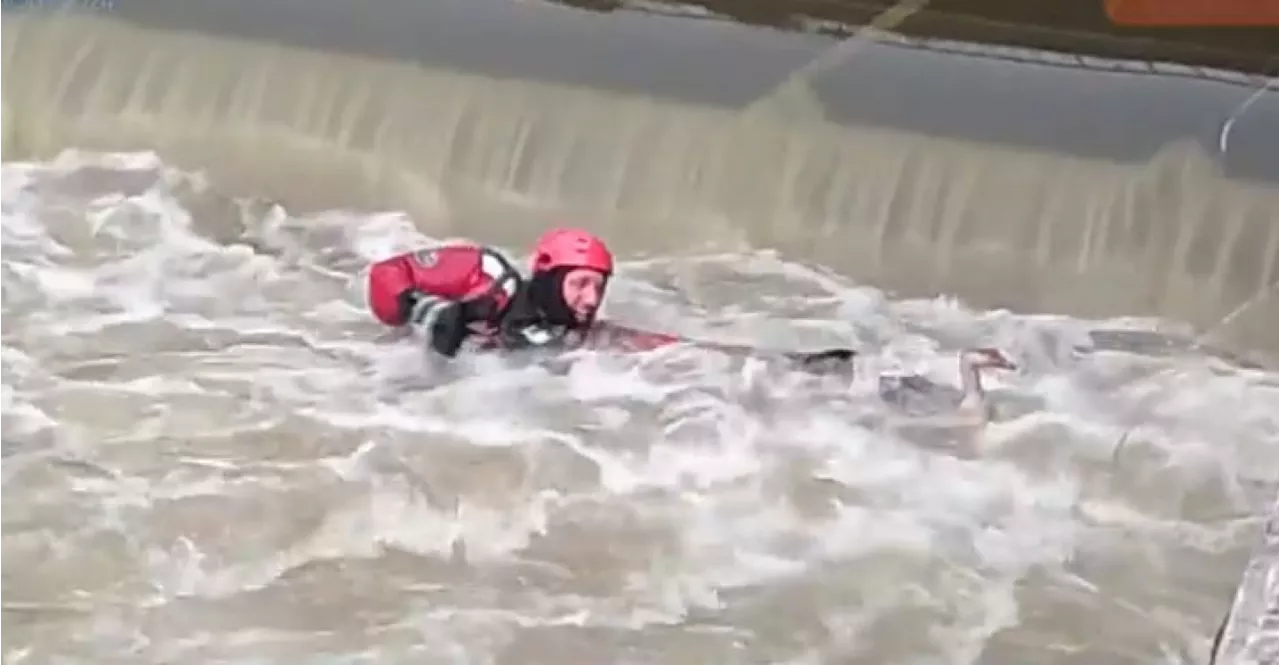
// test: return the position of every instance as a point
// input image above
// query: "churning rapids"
(211, 455)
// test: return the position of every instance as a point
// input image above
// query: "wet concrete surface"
(1067, 26)
(1078, 104)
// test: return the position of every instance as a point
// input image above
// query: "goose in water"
(923, 402)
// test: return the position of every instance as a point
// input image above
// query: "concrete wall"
(1251, 627)
(1092, 106)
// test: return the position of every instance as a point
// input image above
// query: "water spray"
(1198, 344)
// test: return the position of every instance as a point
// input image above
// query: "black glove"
(447, 329)
(446, 321)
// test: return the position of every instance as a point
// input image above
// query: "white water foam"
(214, 455)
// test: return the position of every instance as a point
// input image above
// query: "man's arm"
(440, 290)
(613, 336)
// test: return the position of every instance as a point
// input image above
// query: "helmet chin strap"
(547, 292)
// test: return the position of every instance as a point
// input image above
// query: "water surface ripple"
(212, 455)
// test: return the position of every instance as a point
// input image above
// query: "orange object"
(1193, 13)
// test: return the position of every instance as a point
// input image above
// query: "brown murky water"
(210, 453)
(211, 456)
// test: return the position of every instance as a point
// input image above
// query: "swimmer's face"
(583, 291)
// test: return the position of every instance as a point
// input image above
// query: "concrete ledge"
(1251, 629)
(1025, 229)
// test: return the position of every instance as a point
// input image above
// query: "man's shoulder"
(456, 251)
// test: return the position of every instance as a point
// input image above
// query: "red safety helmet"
(571, 248)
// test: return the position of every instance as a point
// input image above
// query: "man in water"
(462, 291)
